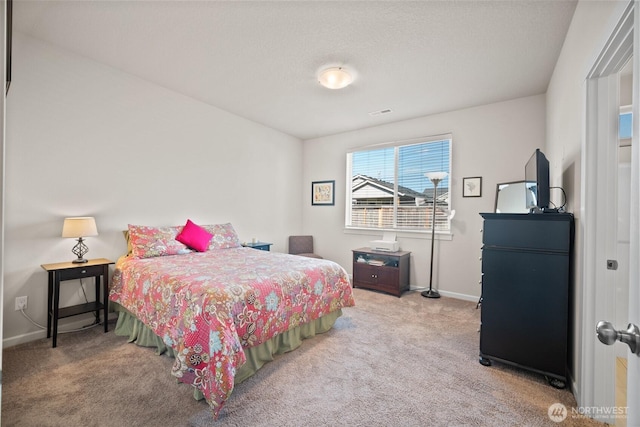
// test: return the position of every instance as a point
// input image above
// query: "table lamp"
(79, 227)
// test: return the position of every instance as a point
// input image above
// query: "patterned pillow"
(147, 242)
(224, 236)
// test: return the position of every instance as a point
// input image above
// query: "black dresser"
(526, 276)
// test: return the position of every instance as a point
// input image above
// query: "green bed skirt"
(136, 331)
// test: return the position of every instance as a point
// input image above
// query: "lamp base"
(430, 294)
(80, 250)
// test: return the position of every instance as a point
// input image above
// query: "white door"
(633, 365)
(608, 293)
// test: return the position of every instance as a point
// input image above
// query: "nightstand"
(258, 245)
(62, 271)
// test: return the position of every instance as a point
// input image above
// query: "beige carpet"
(389, 361)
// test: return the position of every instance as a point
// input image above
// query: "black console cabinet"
(526, 269)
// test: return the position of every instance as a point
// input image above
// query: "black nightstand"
(62, 271)
(258, 245)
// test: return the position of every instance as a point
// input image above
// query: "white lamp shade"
(79, 227)
(439, 176)
(335, 78)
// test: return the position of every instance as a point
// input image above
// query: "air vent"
(380, 112)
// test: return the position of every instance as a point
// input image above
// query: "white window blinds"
(389, 189)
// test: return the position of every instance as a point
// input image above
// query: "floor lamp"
(435, 178)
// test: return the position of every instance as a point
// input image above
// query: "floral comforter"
(209, 305)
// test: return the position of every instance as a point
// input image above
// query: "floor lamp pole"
(435, 179)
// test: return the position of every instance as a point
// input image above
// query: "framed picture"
(472, 187)
(322, 193)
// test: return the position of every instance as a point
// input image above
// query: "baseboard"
(42, 334)
(574, 388)
(472, 298)
(455, 295)
(23, 338)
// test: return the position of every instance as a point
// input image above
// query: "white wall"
(86, 139)
(592, 23)
(591, 26)
(492, 141)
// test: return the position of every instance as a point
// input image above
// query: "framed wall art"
(323, 193)
(472, 187)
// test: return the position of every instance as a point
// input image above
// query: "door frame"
(599, 156)
(3, 121)
(633, 365)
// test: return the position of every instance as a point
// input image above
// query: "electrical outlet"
(21, 303)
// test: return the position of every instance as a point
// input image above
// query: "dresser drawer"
(546, 232)
(81, 272)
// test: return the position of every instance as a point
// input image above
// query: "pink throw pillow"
(195, 237)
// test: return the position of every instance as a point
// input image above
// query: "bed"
(222, 310)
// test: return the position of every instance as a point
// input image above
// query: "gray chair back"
(302, 245)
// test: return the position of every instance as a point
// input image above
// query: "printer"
(388, 243)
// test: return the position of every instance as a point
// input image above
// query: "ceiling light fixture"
(335, 78)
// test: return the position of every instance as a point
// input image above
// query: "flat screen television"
(536, 176)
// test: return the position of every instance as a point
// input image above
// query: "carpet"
(389, 361)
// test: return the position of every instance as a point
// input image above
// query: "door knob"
(608, 335)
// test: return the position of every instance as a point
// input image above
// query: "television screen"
(536, 173)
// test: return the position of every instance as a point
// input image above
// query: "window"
(624, 123)
(388, 189)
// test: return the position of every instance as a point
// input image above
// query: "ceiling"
(260, 60)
